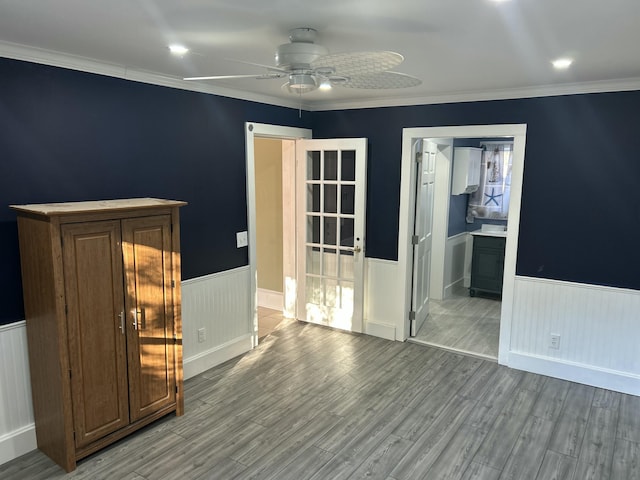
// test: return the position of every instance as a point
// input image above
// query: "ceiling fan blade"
(381, 81)
(264, 76)
(271, 68)
(359, 63)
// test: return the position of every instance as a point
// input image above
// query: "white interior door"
(423, 233)
(330, 231)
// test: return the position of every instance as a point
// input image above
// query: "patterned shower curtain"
(491, 200)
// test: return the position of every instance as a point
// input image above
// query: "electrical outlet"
(555, 341)
(202, 335)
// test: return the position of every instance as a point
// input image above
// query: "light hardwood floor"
(314, 403)
(462, 323)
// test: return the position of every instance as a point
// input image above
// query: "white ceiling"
(460, 49)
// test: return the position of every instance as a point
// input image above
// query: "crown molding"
(57, 59)
(72, 62)
(624, 85)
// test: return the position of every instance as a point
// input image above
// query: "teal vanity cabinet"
(487, 263)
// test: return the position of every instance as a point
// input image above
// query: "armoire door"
(146, 246)
(96, 336)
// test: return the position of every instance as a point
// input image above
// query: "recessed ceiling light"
(562, 63)
(178, 49)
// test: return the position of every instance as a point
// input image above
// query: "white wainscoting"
(220, 303)
(598, 328)
(383, 299)
(17, 432)
(455, 263)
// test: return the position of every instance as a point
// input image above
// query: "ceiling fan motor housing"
(299, 55)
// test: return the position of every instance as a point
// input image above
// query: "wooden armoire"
(101, 285)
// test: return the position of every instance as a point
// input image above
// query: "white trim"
(622, 85)
(270, 299)
(203, 361)
(57, 59)
(576, 372)
(209, 276)
(11, 326)
(407, 196)
(82, 64)
(289, 228)
(440, 225)
(17, 443)
(452, 287)
(592, 286)
(381, 330)
(253, 130)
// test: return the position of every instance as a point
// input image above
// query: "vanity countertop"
(490, 233)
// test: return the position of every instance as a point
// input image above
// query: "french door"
(331, 191)
(423, 233)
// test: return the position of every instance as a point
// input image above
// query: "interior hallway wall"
(268, 167)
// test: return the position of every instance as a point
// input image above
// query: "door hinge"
(412, 315)
(418, 157)
(415, 239)
(175, 338)
(176, 389)
(74, 436)
(173, 284)
(70, 374)
(66, 309)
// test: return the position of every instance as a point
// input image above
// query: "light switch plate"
(241, 239)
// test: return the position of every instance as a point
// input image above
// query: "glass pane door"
(333, 227)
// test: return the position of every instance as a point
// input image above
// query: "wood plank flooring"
(463, 324)
(314, 403)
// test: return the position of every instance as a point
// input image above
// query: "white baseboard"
(17, 443)
(381, 330)
(449, 290)
(270, 299)
(215, 356)
(574, 372)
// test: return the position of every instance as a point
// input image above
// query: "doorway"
(459, 320)
(284, 138)
(445, 136)
(323, 226)
(271, 209)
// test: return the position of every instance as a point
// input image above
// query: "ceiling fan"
(309, 66)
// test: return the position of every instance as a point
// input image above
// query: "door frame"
(406, 216)
(252, 130)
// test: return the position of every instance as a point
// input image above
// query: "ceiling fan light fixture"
(325, 85)
(302, 83)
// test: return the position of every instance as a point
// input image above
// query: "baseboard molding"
(449, 290)
(17, 443)
(215, 356)
(381, 330)
(270, 299)
(574, 372)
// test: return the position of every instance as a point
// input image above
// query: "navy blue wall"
(67, 136)
(580, 214)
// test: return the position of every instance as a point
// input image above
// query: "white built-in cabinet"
(466, 170)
